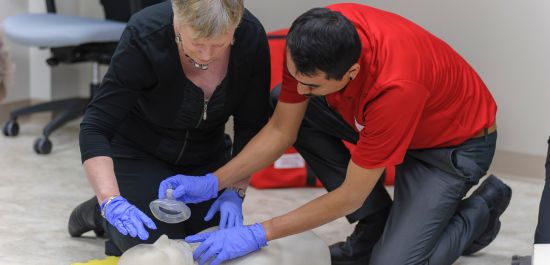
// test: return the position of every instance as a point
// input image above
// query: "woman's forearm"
(101, 176)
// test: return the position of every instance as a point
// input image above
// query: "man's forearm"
(342, 201)
(101, 176)
(268, 145)
(321, 210)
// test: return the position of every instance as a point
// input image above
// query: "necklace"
(197, 65)
(189, 59)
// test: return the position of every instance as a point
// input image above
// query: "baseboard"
(518, 164)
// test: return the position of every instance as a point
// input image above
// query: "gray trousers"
(429, 222)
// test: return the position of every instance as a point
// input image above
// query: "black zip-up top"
(146, 98)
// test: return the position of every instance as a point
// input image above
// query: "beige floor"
(37, 194)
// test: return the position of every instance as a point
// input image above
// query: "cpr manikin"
(304, 248)
(163, 251)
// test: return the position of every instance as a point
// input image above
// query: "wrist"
(103, 206)
(103, 198)
(259, 234)
(104, 195)
(239, 192)
(267, 226)
(213, 182)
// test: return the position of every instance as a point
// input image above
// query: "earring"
(178, 38)
(350, 78)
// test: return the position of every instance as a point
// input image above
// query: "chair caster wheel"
(11, 128)
(42, 146)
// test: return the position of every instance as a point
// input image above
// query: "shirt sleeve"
(129, 73)
(289, 91)
(390, 123)
(253, 111)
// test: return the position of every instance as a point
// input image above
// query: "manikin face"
(203, 50)
(318, 84)
(164, 251)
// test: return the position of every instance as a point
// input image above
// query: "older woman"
(180, 70)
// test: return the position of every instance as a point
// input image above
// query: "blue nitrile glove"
(226, 244)
(230, 206)
(190, 189)
(127, 218)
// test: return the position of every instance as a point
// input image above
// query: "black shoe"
(497, 195)
(86, 217)
(357, 248)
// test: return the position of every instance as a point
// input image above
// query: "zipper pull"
(205, 110)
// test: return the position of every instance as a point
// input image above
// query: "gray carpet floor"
(38, 192)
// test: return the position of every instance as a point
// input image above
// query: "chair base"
(66, 111)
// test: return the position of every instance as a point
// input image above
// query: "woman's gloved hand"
(227, 244)
(190, 189)
(230, 206)
(127, 218)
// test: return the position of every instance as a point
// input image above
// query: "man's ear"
(353, 71)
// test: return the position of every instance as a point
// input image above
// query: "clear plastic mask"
(170, 210)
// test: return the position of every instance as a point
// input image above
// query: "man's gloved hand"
(127, 218)
(226, 244)
(230, 206)
(190, 189)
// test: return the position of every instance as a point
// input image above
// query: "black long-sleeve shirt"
(146, 98)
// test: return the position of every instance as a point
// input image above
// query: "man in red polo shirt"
(414, 108)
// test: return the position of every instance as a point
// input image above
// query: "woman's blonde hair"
(208, 18)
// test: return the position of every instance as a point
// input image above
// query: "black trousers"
(542, 234)
(429, 222)
(139, 175)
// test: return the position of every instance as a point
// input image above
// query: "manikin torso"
(304, 248)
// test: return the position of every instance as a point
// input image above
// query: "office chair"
(71, 39)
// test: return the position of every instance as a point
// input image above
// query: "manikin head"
(164, 251)
(303, 248)
(323, 49)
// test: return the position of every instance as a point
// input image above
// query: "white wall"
(506, 41)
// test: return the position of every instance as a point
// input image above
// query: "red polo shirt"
(413, 91)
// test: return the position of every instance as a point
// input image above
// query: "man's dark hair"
(323, 40)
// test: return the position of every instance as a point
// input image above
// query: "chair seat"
(53, 30)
